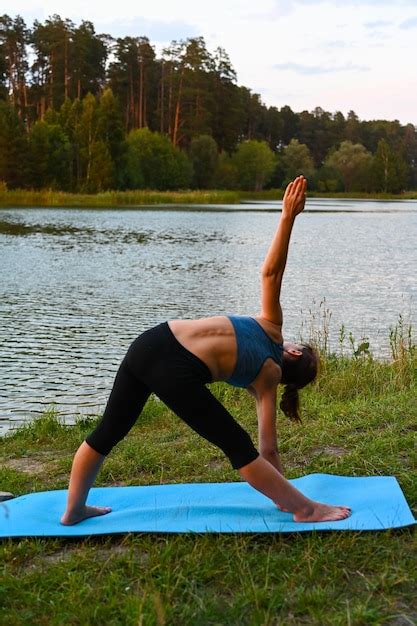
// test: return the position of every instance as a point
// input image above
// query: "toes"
(105, 509)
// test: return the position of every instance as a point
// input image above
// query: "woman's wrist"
(273, 457)
(287, 216)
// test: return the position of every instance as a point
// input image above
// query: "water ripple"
(77, 286)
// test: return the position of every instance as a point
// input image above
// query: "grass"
(276, 194)
(123, 199)
(362, 195)
(359, 418)
(105, 199)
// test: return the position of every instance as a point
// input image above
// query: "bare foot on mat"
(323, 513)
(69, 519)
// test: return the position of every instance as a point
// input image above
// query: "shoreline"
(132, 199)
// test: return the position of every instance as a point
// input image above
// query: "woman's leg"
(85, 467)
(264, 477)
(198, 407)
(124, 405)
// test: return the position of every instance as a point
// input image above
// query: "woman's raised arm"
(276, 258)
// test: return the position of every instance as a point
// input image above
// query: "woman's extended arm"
(276, 258)
(264, 390)
(266, 409)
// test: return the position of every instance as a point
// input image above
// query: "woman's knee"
(248, 465)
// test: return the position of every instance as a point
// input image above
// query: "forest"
(86, 112)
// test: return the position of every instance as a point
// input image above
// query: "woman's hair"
(296, 374)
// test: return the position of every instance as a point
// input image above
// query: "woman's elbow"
(271, 273)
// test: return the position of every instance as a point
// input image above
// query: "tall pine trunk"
(177, 119)
(141, 93)
(161, 101)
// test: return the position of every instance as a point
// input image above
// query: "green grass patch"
(359, 418)
(277, 194)
(112, 199)
(126, 199)
(362, 195)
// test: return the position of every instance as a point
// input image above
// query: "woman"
(176, 360)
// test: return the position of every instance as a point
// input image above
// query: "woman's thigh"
(197, 406)
(126, 401)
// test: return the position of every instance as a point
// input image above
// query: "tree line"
(82, 111)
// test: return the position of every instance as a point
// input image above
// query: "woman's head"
(299, 368)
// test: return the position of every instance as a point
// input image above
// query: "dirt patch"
(293, 463)
(101, 554)
(336, 451)
(57, 557)
(406, 616)
(215, 464)
(402, 620)
(27, 464)
(121, 550)
(33, 464)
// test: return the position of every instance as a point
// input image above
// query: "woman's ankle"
(306, 510)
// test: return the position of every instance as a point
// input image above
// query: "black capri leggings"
(157, 362)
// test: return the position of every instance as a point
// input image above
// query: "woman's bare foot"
(323, 513)
(70, 518)
(281, 508)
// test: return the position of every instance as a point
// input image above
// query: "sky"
(340, 55)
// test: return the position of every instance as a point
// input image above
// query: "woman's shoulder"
(213, 324)
(274, 331)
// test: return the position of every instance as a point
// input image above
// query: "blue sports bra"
(254, 346)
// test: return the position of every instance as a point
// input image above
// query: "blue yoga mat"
(377, 503)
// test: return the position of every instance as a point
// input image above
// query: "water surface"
(77, 285)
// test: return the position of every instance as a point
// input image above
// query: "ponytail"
(290, 403)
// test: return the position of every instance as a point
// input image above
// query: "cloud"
(377, 24)
(410, 23)
(337, 43)
(155, 30)
(343, 3)
(317, 69)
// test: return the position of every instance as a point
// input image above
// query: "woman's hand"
(274, 265)
(294, 197)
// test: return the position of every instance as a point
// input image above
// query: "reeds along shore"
(110, 199)
(359, 418)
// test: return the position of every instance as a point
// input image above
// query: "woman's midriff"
(211, 339)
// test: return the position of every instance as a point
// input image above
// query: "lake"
(77, 285)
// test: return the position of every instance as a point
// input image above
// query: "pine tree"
(132, 79)
(50, 156)
(13, 148)
(110, 132)
(14, 38)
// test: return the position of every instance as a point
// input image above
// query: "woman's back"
(213, 340)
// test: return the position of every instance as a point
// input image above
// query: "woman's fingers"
(289, 188)
(300, 186)
(297, 184)
(288, 191)
(300, 182)
(295, 194)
